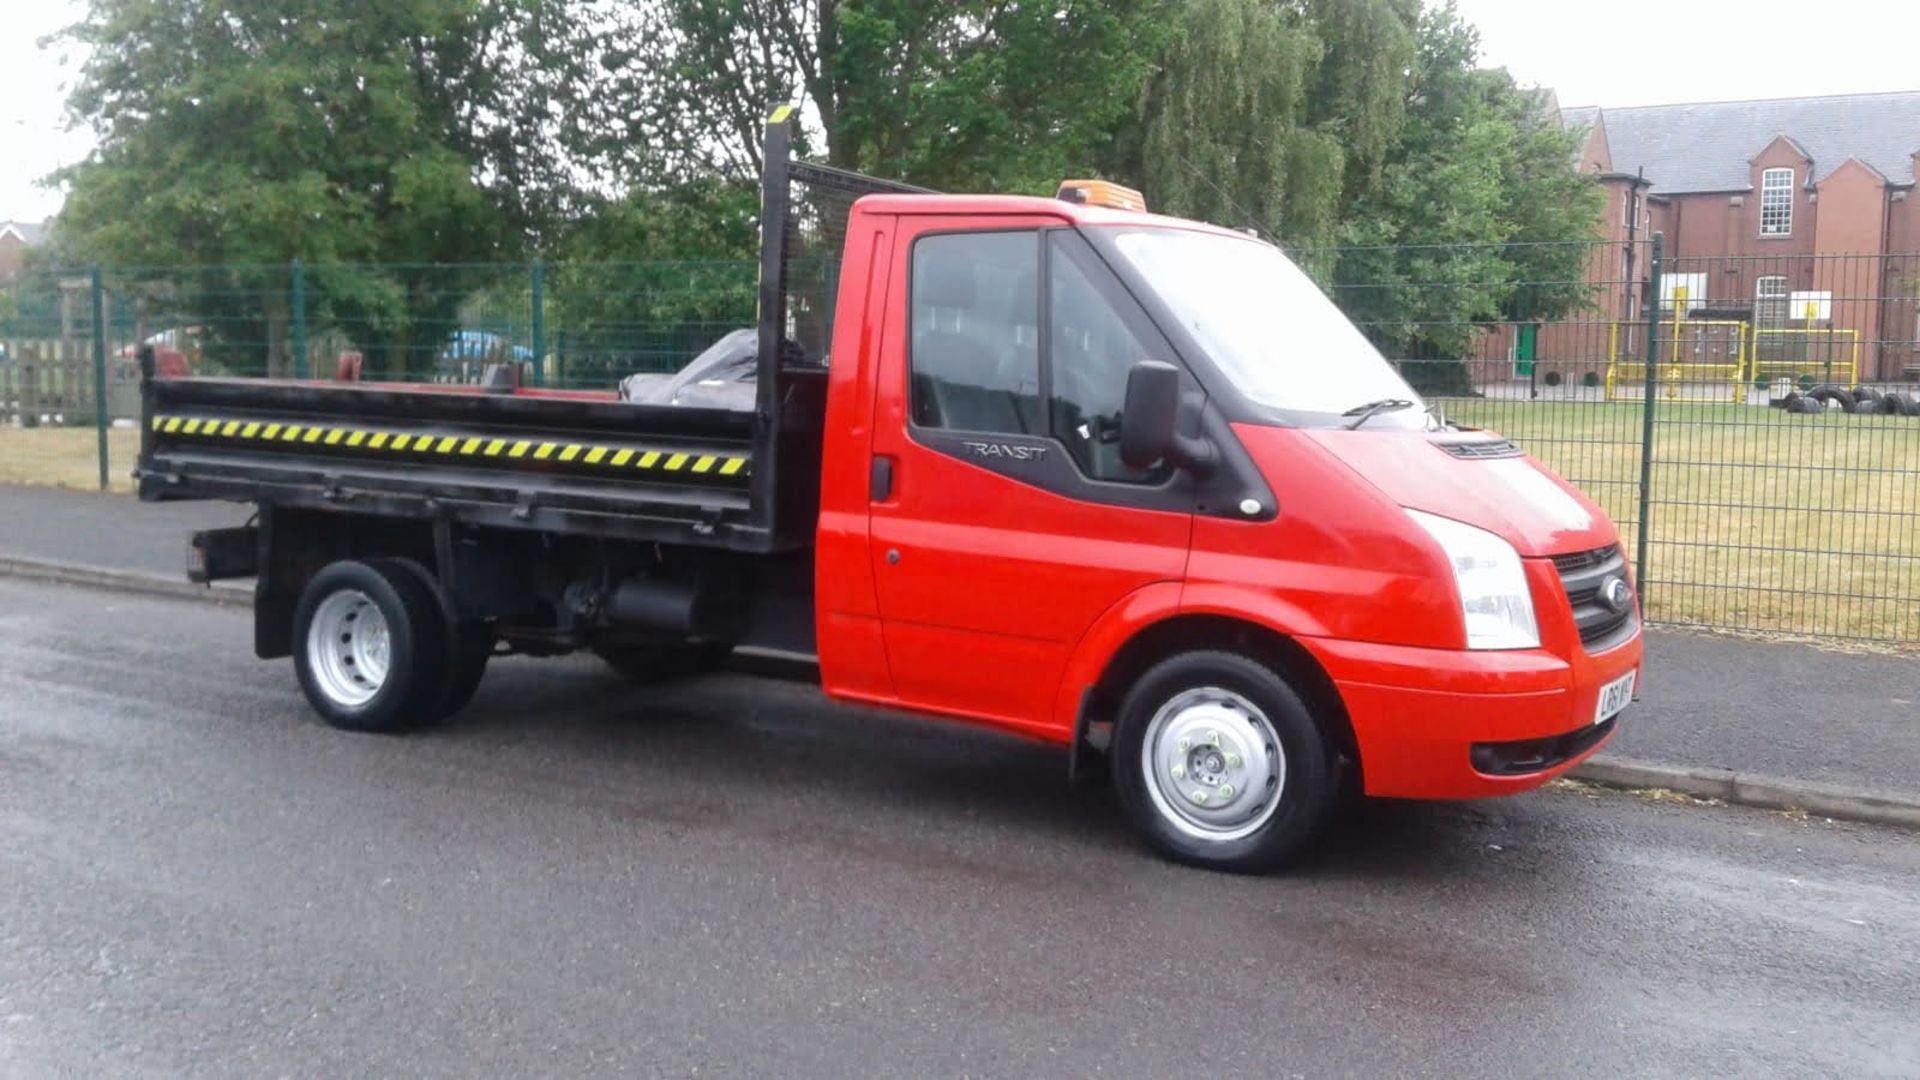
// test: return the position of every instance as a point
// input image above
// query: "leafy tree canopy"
(1480, 215)
(600, 131)
(258, 133)
(277, 129)
(985, 95)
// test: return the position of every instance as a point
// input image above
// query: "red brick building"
(1794, 215)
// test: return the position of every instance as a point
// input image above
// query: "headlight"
(1495, 602)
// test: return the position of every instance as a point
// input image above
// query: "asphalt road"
(1781, 710)
(731, 878)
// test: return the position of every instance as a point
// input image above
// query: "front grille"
(1580, 560)
(1481, 448)
(1583, 574)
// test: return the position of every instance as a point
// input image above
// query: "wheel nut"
(1233, 761)
(1226, 791)
(1183, 745)
(1200, 796)
(1213, 738)
(1179, 772)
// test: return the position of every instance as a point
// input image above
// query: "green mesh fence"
(1754, 417)
(1750, 422)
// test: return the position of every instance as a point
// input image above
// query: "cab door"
(1003, 523)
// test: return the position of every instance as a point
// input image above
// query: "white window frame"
(1770, 305)
(1779, 193)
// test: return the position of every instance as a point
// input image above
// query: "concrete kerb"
(1749, 789)
(1726, 785)
(96, 577)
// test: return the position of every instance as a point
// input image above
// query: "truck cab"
(1452, 615)
(1119, 482)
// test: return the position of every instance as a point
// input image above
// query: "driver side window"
(975, 353)
(1091, 347)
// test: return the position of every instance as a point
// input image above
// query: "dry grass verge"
(66, 457)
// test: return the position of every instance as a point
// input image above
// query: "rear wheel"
(472, 647)
(647, 664)
(469, 644)
(369, 647)
(1219, 763)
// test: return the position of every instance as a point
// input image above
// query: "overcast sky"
(1610, 52)
(1654, 52)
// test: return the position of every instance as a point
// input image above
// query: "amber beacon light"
(1101, 193)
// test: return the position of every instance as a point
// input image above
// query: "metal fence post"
(1649, 382)
(539, 323)
(100, 369)
(299, 320)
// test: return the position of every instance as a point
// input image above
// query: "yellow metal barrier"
(1702, 359)
(1823, 355)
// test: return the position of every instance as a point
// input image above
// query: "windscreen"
(1266, 325)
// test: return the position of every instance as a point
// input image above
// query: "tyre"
(648, 664)
(1830, 393)
(369, 647)
(469, 645)
(1866, 396)
(1801, 403)
(1892, 403)
(472, 647)
(1217, 762)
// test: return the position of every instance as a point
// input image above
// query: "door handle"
(880, 479)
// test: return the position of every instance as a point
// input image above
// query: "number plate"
(1614, 696)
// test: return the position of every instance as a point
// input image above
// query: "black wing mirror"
(1150, 421)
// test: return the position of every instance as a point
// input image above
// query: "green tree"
(1271, 115)
(1480, 217)
(985, 95)
(1360, 90)
(1222, 135)
(249, 135)
(653, 278)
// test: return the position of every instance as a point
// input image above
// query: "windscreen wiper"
(1363, 413)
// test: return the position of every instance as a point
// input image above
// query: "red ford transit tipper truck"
(1119, 482)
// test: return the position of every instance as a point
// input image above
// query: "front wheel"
(369, 647)
(1219, 763)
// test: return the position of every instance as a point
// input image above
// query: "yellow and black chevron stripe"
(417, 445)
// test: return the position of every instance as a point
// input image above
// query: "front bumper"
(1419, 714)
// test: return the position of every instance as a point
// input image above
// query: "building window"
(1770, 301)
(1776, 202)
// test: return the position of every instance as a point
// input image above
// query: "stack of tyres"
(1861, 400)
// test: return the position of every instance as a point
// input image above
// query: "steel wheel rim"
(349, 648)
(1213, 763)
